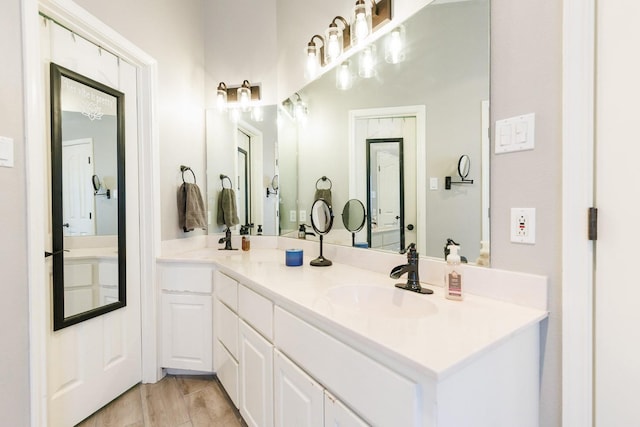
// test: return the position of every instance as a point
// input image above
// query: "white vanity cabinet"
(186, 316)
(300, 401)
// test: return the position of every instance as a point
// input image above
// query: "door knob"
(410, 227)
(66, 224)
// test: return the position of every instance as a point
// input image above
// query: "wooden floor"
(175, 401)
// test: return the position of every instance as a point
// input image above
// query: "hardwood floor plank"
(126, 411)
(163, 404)
(207, 406)
(191, 383)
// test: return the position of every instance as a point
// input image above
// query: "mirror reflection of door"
(78, 210)
(385, 189)
(244, 178)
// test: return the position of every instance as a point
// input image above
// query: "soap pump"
(303, 233)
(453, 275)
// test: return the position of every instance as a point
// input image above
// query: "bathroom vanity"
(309, 346)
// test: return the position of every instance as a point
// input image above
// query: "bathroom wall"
(526, 77)
(173, 32)
(14, 308)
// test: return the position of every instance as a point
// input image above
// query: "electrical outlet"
(523, 225)
(292, 216)
(303, 216)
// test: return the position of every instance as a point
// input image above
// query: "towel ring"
(323, 179)
(183, 169)
(223, 177)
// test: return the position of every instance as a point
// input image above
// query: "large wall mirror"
(87, 199)
(435, 101)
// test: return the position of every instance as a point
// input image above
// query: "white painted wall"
(173, 32)
(14, 332)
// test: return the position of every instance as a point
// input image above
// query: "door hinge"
(593, 224)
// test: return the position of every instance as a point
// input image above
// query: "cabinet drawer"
(227, 327)
(227, 371)
(183, 278)
(256, 310)
(389, 400)
(226, 290)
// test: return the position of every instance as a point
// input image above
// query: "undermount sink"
(379, 301)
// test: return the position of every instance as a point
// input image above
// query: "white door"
(77, 189)
(617, 290)
(388, 190)
(91, 363)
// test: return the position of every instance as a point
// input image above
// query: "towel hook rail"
(223, 177)
(324, 179)
(183, 169)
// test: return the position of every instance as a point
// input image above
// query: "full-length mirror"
(87, 198)
(399, 129)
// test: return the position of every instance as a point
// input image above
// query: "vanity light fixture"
(367, 62)
(394, 46)
(337, 39)
(300, 110)
(344, 77)
(367, 18)
(243, 96)
(315, 57)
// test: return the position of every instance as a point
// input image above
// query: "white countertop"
(450, 334)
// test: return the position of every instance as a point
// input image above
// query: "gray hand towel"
(191, 214)
(323, 193)
(227, 210)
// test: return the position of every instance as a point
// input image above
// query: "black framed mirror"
(87, 142)
(354, 217)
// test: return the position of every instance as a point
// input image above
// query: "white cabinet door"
(256, 378)
(187, 332)
(298, 398)
(338, 415)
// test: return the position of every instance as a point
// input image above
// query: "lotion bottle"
(453, 275)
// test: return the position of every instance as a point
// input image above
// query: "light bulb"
(395, 46)
(362, 30)
(312, 65)
(257, 113)
(343, 76)
(367, 62)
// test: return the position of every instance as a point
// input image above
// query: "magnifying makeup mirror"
(353, 217)
(321, 221)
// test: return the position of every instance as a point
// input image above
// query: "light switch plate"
(292, 216)
(523, 225)
(515, 134)
(302, 215)
(6, 152)
(433, 183)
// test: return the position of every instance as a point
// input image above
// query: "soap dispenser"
(453, 275)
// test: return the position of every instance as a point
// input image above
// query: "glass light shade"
(300, 111)
(234, 115)
(244, 98)
(367, 62)
(221, 97)
(333, 48)
(313, 61)
(344, 77)
(395, 46)
(257, 113)
(360, 23)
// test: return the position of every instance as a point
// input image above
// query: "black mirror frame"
(59, 320)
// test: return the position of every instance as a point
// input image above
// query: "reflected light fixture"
(394, 46)
(300, 110)
(336, 38)
(315, 57)
(344, 77)
(221, 96)
(257, 113)
(367, 18)
(367, 62)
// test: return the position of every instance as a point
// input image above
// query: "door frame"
(578, 123)
(419, 112)
(77, 19)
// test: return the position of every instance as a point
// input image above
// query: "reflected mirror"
(87, 199)
(436, 101)
(245, 150)
(353, 218)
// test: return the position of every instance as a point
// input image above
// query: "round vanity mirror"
(321, 221)
(464, 164)
(354, 217)
(96, 183)
(274, 183)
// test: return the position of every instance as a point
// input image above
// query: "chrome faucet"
(226, 240)
(411, 268)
